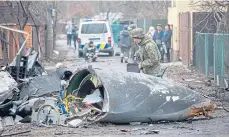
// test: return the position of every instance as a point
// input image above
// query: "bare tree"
(219, 10)
(149, 9)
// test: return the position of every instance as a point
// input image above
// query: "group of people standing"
(72, 34)
(162, 39)
(150, 47)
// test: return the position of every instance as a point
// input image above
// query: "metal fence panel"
(219, 58)
(211, 55)
(203, 53)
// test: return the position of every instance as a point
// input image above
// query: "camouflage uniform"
(134, 47)
(149, 53)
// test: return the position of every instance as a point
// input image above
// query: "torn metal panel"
(31, 60)
(25, 108)
(41, 85)
(8, 121)
(8, 86)
(29, 66)
(133, 97)
(1, 125)
(46, 111)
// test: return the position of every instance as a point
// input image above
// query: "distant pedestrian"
(151, 32)
(75, 35)
(149, 53)
(167, 40)
(158, 38)
(125, 44)
(68, 29)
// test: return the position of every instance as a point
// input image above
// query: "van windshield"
(95, 28)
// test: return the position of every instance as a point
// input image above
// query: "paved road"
(216, 127)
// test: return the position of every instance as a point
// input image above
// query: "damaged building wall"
(36, 27)
(8, 51)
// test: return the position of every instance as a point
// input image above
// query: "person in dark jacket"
(158, 38)
(68, 29)
(125, 44)
(167, 40)
(75, 35)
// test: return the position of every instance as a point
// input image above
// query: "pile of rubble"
(29, 94)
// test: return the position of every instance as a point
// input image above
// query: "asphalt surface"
(218, 126)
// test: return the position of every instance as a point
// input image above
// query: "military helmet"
(138, 33)
(132, 27)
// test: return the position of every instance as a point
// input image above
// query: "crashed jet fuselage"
(131, 97)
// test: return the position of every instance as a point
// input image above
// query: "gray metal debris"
(16, 133)
(131, 97)
(1, 125)
(95, 97)
(8, 86)
(46, 111)
(18, 119)
(8, 121)
(75, 122)
(27, 105)
(41, 85)
(149, 132)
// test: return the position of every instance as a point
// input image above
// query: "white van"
(98, 31)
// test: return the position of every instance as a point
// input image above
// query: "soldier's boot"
(122, 58)
(126, 59)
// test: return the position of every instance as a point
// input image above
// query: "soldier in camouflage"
(149, 53)
(134, 47)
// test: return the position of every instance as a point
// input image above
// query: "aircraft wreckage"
(122, 97)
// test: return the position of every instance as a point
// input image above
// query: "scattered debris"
(8, 86)
(46, 111)
(208, 83)
(1, 126)
(93, 95)
(135, 123)
(16, 133)
(136, 129)
(75, 122)
(124, 130)
(150, 132)
(18, 119)
(8, 121)
(151, 125)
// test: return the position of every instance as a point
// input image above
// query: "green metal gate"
(211, 54)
